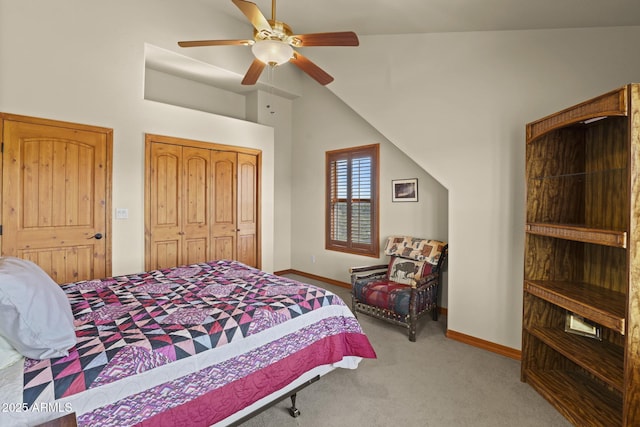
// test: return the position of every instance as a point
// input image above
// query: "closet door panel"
(166, 253)
(224, 247)
(165, 213)
(224, 227)
(195, 250)
(197, 205)
(247, 209)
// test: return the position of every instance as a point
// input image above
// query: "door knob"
(96, 236)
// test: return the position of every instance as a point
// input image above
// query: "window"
(352, 200)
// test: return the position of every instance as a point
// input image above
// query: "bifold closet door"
(202, 203)
(164, 209)
(196, 206)
(235, 207)
(224, 184)
(180, 205)
(247, 244)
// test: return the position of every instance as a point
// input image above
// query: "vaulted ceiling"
(380, 17)
(369, 17)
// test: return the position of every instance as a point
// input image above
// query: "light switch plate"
(122, 213)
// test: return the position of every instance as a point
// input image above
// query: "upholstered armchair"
(405, 289)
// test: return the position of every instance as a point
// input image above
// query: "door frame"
(108, 133)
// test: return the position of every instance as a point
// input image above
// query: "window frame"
(371, 249)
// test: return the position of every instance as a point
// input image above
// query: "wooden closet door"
(202, 203)
(164, 238)
(56, 189)
(197, 205)
(247, 237)
(224, 229)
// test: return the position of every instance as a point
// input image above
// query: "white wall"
(182, 92)
(275, 111)
(458, 104)
(83, 61)
(321, 123)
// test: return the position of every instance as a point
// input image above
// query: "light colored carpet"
(435, 381)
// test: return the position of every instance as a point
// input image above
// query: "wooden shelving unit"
(582, 257)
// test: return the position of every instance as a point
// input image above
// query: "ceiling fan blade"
(315, 72)
(196, 43)
(253, 73)
(254, 15)
(344, 38)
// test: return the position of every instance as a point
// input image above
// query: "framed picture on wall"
(404, 190)
(578, 325)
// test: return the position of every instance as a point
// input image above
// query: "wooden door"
(179, 205)
(196, 190)
(56, 196)
(164, 241)
(247, 210)
(223, 223)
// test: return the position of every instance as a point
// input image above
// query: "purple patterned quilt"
(128, 325)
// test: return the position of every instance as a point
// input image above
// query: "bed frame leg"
(293, 411)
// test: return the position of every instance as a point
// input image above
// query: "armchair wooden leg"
(413, 316)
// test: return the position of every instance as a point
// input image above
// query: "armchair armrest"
(367, 273)
(365, 268)
(427, 281)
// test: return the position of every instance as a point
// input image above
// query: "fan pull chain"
(270, 96)
(271, 81)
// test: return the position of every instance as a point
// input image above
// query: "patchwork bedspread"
(223, 334)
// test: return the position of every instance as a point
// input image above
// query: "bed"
(198, 345)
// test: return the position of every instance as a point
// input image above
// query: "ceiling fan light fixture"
(272, 52)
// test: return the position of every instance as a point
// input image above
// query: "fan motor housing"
(280, 31)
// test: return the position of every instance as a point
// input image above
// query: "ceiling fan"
(273, 43)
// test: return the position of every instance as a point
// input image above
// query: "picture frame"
(578, 325)
(404, 190)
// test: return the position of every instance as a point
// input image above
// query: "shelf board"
(583, 174)
(580, 399)
(601, 358)
(613, 238)
(613, 103)
(600, 305)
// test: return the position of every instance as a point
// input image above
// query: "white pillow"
(35, 314)
(8, 354)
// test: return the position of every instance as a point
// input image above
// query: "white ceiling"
(379, 17)
(370, 17)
